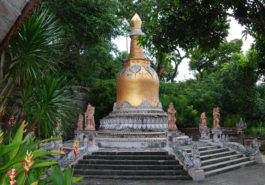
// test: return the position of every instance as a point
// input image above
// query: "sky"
(235, 32)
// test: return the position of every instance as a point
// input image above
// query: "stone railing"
(236, 146)
(89, 146)
(190, 162)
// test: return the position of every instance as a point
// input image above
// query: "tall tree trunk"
(160, 66)
(201, 74)
(175, 71)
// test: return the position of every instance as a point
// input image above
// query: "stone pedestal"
(197, 175)
(143, 118)
(205, 134)
(216, 135)
(137, 127)
(79, 135)
(90, 135)
(175, 137)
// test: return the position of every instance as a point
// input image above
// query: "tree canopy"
(74, 42)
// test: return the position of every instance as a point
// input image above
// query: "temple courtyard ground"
(250, 175)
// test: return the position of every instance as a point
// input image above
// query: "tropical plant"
(58, 177)
(29, 55)
(30, 50)
(46, 103)
(21, 159)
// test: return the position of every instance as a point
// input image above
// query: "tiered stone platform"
(111, 139)
(134, 127)
(130, 164)
(143, 118)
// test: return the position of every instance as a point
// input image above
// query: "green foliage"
(88, 27)
(46, 101)
(31, 49)
(102, 96)
(238, 77)
(13, 152)
(190, 99)
(258, 130)
(29, 63)
(231, 120)
(211, 61)
(58, 177)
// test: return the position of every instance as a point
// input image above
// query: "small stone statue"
(227, 139)
(171, 117)
(241, 126)
(89, 118)
(196, 158)
(203, 121)
(216, 118)
(58, 127)
(223, 138)
(80, 122)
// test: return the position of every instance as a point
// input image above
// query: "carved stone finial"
(241, 126)
(216, 118)
(80, 122)
(171, 117)
(89, 118)
(203, 124)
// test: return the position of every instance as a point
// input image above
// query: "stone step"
(228, 168)
(130, 157)
(129, 162)
(214, 151)
(203, 148)
(128, 172)
(224, 163)
(216, 155)
(130, 153)
(219, 159)
(128, 167)
(130, 177)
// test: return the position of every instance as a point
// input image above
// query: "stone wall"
(80, 102)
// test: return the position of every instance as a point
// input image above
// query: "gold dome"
(137, 82)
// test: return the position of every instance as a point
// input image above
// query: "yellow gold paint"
(136, 50)
(135, 88)
(136, 21)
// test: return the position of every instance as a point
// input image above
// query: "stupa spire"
(136, 21)
(136, 50)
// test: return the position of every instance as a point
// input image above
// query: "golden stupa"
(137, 82)
(137, 108)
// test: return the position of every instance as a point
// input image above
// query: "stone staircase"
(216, 160)
(136, 165)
